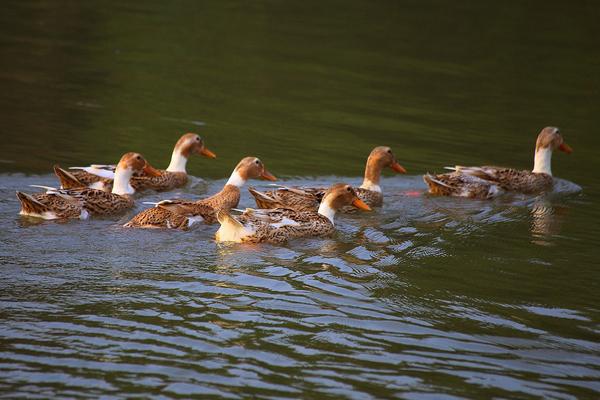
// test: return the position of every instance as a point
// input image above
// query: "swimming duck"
(280, 224)
(308, 199)
(181, 214)
(488, 182)
(101, 177)
(81, 202)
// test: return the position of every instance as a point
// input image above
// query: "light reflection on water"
(90, 308)
(425, 298)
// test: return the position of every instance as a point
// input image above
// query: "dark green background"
(310, 87)
(423, 298)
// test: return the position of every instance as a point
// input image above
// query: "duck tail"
(431, 180)
(225, 218)
(435, 185)
(179, 207)
(478, 172)
(67, 179)
(30, 206)
(231, 229)
(262, 200)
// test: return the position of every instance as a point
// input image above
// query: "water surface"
(424, 298)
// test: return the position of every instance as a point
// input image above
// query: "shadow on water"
(424, 298)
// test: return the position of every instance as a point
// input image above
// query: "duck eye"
(348, 188)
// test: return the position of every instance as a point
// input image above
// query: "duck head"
(380, 157)
(129, 164)
(249, 168)
(188, 144)
(338, 196)
(548, 140)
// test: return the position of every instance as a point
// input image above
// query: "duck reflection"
(546, 221)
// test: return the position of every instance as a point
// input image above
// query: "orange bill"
(358, 203)
(398, 168)
(207, 153)
(268, 176)
(150, 170)
(566, 148)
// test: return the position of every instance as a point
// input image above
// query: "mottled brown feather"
(514, 180)
(166, 181)
(41, 203)
(310, 224)
(459, 185)
(173, 214)
(88, 179)
(308, 199)
(99, 202)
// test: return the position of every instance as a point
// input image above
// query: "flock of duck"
(282, 213)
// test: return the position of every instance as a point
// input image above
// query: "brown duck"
(488, 182)
(82, 202)
(181, 214)
(280, 224)
(101, 176)
(308, 199)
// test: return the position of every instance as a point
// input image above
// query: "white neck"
(178, 162)
(543, 161)
(236, 179)
(326, 210)
(368, 185)
(121, 184)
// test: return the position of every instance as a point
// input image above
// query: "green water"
(425, 298)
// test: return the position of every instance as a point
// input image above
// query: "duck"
(182, 214)
(309, 198)
(488, 181)
(281, 224)
(81, 202)
(99, 176)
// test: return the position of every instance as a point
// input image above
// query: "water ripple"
(398, 301)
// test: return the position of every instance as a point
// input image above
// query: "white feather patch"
(84, 214)
(97, 185)
(103, 173)
(326, 210)
(284, 222)
(178, 162)
(236, 180)
(48, 215)
(543, 161)
(48, 189)
(373, 187)
(195, 220)
(232, 231)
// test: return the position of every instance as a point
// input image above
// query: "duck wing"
(461, 185)
(300, 199)
(188, 208)
(282, 224)
(98, 171)
(158, 217)
(165, 181)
